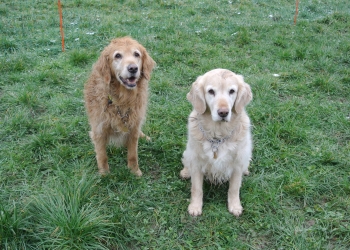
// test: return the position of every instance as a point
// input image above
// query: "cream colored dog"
(219, 143)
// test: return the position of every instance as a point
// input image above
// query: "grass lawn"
(298, 193)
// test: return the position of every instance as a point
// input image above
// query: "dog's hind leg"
(142, 135)
(185, 172)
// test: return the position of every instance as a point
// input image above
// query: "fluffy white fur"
(218, 98)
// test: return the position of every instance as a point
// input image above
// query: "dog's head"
(126, 60)
(221, 92)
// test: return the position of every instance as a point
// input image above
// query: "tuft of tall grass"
(63, 216)
(12, 231)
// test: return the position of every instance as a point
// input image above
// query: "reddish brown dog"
(116, 96)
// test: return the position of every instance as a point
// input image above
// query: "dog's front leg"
(234, 203)
(100, 143)
(195, 207)
(132, 144)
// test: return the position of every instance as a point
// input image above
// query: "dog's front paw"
(137, 173)
(194, 209)
(103, 170)
(235, 209)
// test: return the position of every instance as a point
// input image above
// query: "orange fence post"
(61, 23)
(296, 11)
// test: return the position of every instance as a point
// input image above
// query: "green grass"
(298, 193)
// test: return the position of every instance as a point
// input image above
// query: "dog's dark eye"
(232, 91)
(117, 56)
(136, 54)
(211, 91)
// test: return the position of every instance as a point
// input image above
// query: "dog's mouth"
(129, 82)
(221, 119)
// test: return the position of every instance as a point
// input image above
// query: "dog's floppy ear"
(147, 64)
(244, 95)
(103, 68)
(196, 96)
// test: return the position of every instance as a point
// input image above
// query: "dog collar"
(110, 100)
(124, 117)
(215, 142)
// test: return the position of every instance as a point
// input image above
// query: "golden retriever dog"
(219, 145)
(116, 96)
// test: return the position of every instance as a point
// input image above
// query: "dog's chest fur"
(126, 108)
(230, 153)
(218, 169)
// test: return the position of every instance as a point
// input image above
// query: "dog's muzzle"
(223, 114)
(130, 82)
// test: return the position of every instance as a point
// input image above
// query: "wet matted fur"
(116, 96)
(219, 145)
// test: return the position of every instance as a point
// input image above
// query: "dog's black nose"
(223, 112)
(132, 68)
